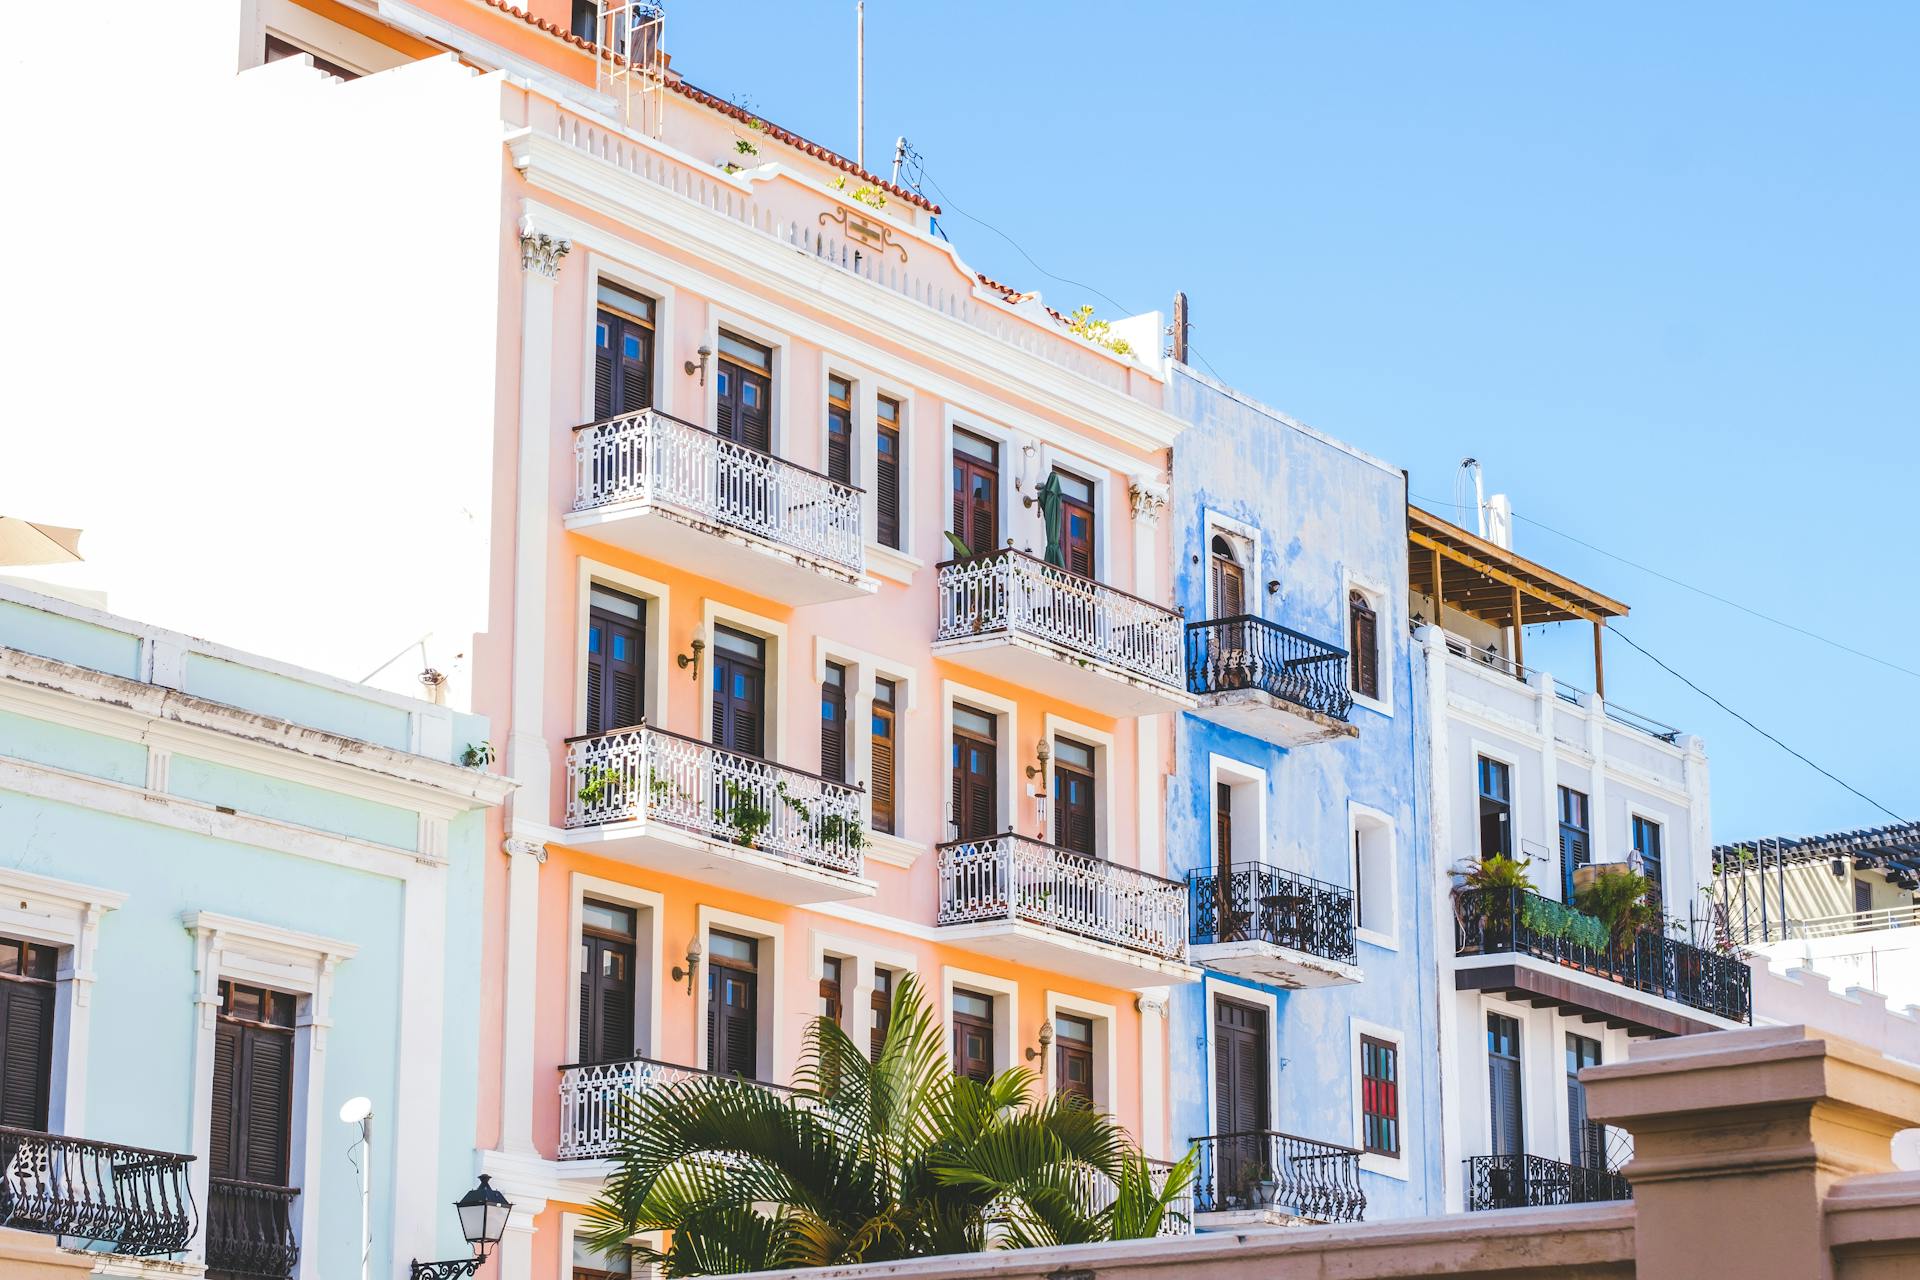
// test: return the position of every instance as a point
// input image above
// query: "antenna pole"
(860, 83)
(1181, 327)
(899, 157)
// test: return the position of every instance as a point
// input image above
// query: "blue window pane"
(633, 347)
(720, 383)
(600, 335)
(750, 395)
(619, 648)
(593, 639)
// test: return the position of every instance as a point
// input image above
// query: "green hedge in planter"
(1548, 919)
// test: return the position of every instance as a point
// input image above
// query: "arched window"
(1226, 580)
(1363, 639)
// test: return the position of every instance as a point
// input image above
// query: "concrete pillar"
(1738, 1138)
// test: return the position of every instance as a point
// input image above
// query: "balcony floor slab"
(1072, 676)
(1542, 982)
(1275, 965)
(659, 847)
(1068, 954)
(1259, 714)
(661, 531)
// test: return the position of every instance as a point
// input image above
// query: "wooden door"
(1073, 810)
(976, 775)
(27, 972)
(622, 354)
(1586, 1141)
(840, 430)
(252, 1085)
(973, 1035)
(1076, 525)
(881, 1005)
(1240, 1077)
(739, 692)
(616, 679)
(1226, 580)
(607, 958)
(976, 492)
(1503, 1084)
(1363, 634)
(743, 393)
(1073, 1057)
(733, 1031)
(833, 723)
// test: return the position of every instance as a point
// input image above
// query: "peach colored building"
(779, 741)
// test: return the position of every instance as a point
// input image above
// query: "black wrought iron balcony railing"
(1254, 902)
(1245, 652)
(1265, 1169)
(1490, 921)
(125, 1199)
(250, 1229)
(1532, 1182)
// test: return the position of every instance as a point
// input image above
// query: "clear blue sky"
(1654, 265)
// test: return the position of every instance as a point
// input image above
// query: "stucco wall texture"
(1324, 519)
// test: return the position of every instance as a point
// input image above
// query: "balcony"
(1493, 923)
(1016, 617)
(671, 491)
(676, 804)
(1099, 1192)
(250, 1229)
(125, 1200)
(1533, 1182)
(1263, 1176)
(1018, 899)
(593, 1094)
(1262, 679)
(1258, 922)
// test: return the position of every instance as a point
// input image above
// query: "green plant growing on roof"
(1098, 332)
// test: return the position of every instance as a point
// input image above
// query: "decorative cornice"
(517, 847)
(1151, 1004)
(540, 253)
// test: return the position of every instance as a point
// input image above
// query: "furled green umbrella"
(1049, 500)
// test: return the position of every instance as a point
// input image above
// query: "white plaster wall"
(259, 370)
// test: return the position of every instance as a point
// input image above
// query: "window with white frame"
(50, 930)
(1375, 898)
(1368, 644)
(1239, 802)
(1379, 1059)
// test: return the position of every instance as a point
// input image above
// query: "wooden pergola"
(1464, 572)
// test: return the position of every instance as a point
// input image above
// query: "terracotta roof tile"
(679, 85)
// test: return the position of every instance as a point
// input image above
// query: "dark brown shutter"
(1223, 826)
(1076, 538)
(839, 444)
(974, 775)
(225, 1137)
(881, 785)
(268, 1059)
(1503, 1079)
(833, 723)
(615, 677)
(960, 473)
(1073, 821)
(886, 484)
(736, 1027)
(26, 1053)
(607, 333)
(1364, 661)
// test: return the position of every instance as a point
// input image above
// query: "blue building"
(1307, 1056)
(234, 895)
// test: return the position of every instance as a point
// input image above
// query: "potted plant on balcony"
(597, 783)
(1617, 898)
(745, 816)
(1483, 905)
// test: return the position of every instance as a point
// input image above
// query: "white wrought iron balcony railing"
(593, 1093)
(649, 775)
(1018, 594)
(652, 457)
(1100, 1192)
(1013, 878)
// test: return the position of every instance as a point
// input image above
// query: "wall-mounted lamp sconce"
(700, 367)
(1273, 586)
(1046, 1040)
(693, 966)
(693, 659)
(1045, 752)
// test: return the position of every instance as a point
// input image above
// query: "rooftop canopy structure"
(1464, 572)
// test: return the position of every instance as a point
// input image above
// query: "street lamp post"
(483, 1220)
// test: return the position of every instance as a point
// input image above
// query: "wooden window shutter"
(636, 369)
(606, 345)
(886, 484)
(1223, 825)
(268, 1060)
(833, 723)
(26, 1053)
(881, 785)
(224, 1144)
(1364, 662)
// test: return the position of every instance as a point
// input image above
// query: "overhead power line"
(1715, 596)
(1825, 773)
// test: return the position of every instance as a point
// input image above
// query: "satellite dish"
(354, 1110)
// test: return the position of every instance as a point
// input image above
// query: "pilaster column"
(1153, 1072)
(524, 859)
(1454, 1085)
(516, 1245)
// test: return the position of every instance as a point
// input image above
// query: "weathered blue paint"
(1323, 514)
(167, 853)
